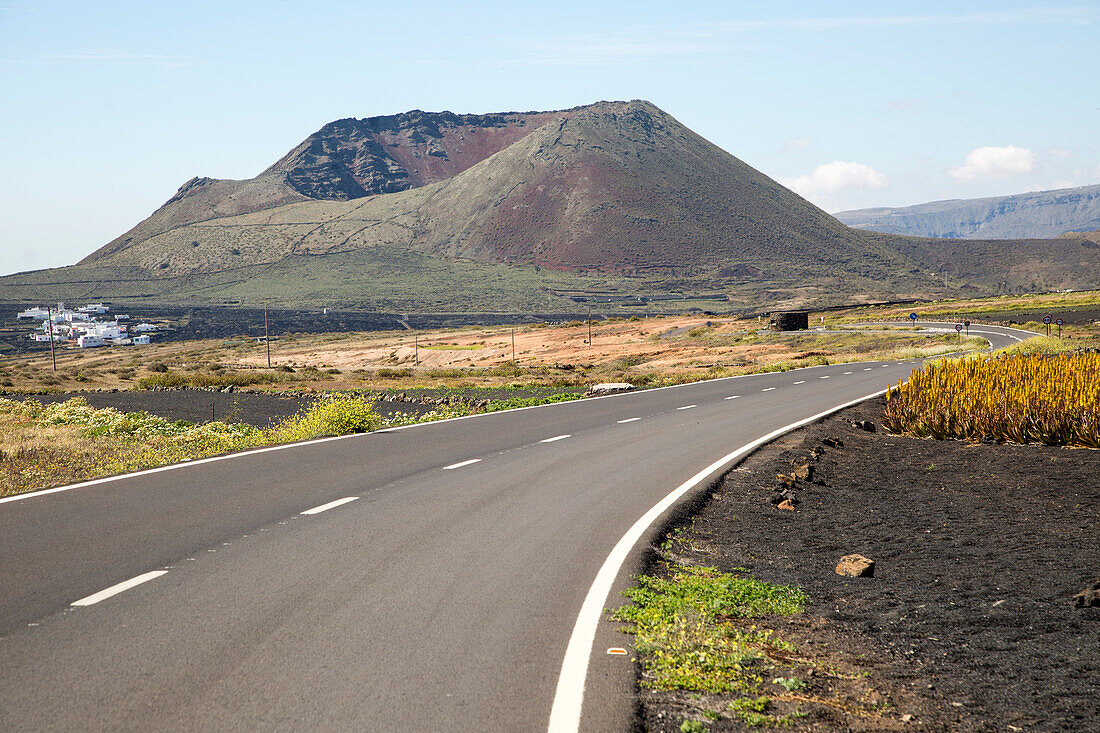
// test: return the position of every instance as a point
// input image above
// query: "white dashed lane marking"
(767, 389)
(114, 590)
(556, 438)
(847, 372)
(330, 505)
(801, 381)
(686, 407)
(629, 419)
(824, 377)
(733, 396)
(461, 464)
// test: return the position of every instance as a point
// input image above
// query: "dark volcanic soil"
(968, 623)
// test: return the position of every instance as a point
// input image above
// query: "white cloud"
(831, 177)
(990, 162)
(1057, 152)
(796, 143)
(1061, 183)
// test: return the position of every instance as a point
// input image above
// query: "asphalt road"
(442, 597)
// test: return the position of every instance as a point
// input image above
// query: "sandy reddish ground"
(533, 346)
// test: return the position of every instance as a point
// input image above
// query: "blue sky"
(110, 106)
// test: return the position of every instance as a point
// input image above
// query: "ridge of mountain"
(1035, 214)
(455, 211)
(347, 159)
(614, 187)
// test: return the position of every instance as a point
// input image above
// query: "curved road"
(427, 578)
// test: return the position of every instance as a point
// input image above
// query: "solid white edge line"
(114, 590)
(460, 464)
(629, 419)
(330, 505)
(556, 438)
(288, 446)
(565, 713)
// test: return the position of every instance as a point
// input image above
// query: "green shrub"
(331, 415)
(514, 402)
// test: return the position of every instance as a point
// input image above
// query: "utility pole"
(267, 338)
(589, 325)
(513, 344)
(416, 348)
(49, 320)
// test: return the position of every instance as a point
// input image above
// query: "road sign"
(1058, 321)
(967, 324)
(959, 327)
(912, 316)
(1047, 320)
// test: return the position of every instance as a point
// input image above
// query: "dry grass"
(32, 455)
(643, 351)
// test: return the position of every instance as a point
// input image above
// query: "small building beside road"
(789, 321)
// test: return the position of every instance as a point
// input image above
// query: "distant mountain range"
(1023, 216)
(514, 211)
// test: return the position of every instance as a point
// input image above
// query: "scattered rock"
(804, 471)
(864, 425)
(833, 442)
(1089, 597)
(856, 566)
(785, 480)
(786, 504)
(609, 388)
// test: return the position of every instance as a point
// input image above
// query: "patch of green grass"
(753, 712)
(790, 684)
(509, 404)
(684, 635)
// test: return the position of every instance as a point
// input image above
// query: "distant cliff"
(1036, 215)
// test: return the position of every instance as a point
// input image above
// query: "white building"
(141, 340)
(145, 328)
(88, 341)
(36, 314)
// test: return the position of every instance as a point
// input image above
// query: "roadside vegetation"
(708, 638)
(46, 445)
(1021, 396)
(49, 445)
